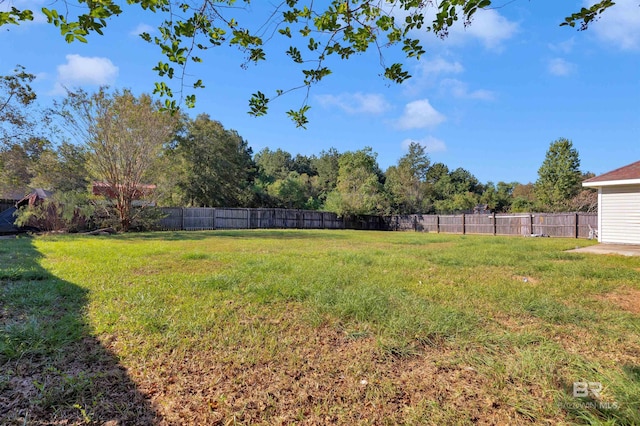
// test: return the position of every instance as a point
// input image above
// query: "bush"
(64, 211)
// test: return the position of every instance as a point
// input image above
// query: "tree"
(315, 31)
(327, 166)
(303, 164)
(498, 198)
(359, 190)
(291, 192)
(62, 169)
(125, 136)
(559, 176)
(406, 182)
(16, 96)
(524, 198)
(218, 165)
(586, 200)
(273, 165)
(452, 191)
(19, 161)
(457, 202)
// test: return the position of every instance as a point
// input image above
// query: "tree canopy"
(125, 136)
(315, 31)
(218, 165)
(559, 176)
(16, 98)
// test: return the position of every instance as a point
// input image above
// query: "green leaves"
(412, 48)
(258, 104)
(93, 20)
(299, 117)
(295, 54)
(315, 30)
(314, 76)
(15, 16)
(243, 38)
(587, 15)
(396, 73)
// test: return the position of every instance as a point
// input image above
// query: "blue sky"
(489, 98)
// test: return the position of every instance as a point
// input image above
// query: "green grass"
(497, 328)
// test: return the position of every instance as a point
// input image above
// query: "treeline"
(129, 143)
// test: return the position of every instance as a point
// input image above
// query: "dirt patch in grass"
(525, 279)
(515, 323)
(625, 298)
(146, 270)
(203, 266)
(317, 376)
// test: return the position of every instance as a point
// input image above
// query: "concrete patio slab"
(622, 249)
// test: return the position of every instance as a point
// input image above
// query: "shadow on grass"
(52, 370)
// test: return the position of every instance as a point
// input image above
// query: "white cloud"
(560, 67)
(427, 72)
(439, 66)
(488, 26)
(429, 143)
(619, 25)
(419, 114)
(563, 46)
(356, 103)
(81, 70)
(460, 89)
(142, 28)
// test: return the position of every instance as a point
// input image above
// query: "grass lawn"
(316, 327)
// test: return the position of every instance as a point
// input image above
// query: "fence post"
(182, 218)
(464, 224)
(438, 223)
(495, 226)
(577, 230)
(531, 223)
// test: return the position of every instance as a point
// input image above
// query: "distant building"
(33, 198)
(109, 192)
(13, 201)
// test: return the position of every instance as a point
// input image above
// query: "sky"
(490, 97)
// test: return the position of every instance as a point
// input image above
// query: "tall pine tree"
(559, 176)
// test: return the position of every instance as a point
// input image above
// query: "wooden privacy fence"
(195, 219)
(569, 225)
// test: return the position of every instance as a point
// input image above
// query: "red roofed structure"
(107, 190)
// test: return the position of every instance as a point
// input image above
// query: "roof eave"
(618, 182)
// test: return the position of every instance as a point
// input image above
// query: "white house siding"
(619, 214)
